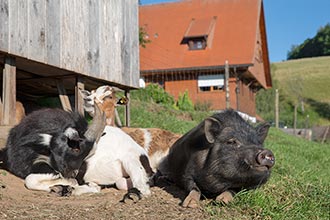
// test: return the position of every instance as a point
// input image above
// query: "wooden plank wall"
(97, 38)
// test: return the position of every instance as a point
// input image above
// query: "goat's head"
(71, 139)
(105, 98)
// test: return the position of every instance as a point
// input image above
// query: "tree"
(143, 37)
(314, 47)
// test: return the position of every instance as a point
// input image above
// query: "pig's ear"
(211, 128)
(262, 131)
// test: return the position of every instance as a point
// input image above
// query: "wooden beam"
(79, 101)
(9, 92)
(63, 96)
(1, 109)
(127, 109)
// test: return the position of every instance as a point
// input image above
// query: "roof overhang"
(196, 69)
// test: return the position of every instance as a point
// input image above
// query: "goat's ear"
(88, 101)
(211, 128)
(84, 93)
(262, 131)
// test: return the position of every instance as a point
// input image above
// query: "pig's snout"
(266, 158)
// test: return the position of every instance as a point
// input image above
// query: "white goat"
(155, 141)
(118, 159)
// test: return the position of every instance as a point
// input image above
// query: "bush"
(155, 93)
(184, 102)
(203, 106)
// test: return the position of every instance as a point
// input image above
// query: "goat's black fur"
(39, 144)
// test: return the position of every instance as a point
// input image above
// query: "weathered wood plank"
(79, 101)
(4, 18)
(130, 45)
(80, 24)
(97, 38)
(9, 92)
(63, 96)
(74, 46)
(110, 60)
(67, 38)
(37, 30)
(18, 27)
(134, 49)
(93, 54)
(53, 34)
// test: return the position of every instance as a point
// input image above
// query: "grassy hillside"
(313, 72)
(300, 183)
(302, 81)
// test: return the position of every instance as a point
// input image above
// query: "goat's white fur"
(147, 139)
(117, 157)
(43, 182)
(71, 132)
(45, 139)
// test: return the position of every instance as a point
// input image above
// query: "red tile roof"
(232, 38)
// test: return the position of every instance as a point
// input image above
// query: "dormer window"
(199, 33)
(197, 43)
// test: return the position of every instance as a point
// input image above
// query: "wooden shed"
(51, 48)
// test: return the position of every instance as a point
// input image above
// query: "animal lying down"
(218, 158)
(118, 160)
(154, 140)
(48, 148)
(53, 151)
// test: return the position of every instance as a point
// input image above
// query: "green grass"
(151, 115)
(299, 187)
(314, 73)
(308, 78)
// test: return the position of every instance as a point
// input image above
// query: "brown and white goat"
(155, 141)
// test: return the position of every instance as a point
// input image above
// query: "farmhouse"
(194, 44)
(52, 48)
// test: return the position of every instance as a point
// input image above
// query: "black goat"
(48, 147)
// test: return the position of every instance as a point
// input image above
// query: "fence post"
(276, 109)
(227, 84)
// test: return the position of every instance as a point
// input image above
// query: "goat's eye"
(232, 141)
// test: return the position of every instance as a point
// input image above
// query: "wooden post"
(325, 134)
(227, 84)
(237, 90)
(295, 118)
(9, 92)
(79, 101)
(127, 109)
(1, 109)
(276, 109)
(63, 96)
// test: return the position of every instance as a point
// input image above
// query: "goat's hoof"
(133, 195)
(62, 190)
(192, 200)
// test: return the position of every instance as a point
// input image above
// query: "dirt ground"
(16, 202)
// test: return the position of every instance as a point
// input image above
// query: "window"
(205, 88)
(197, 44)
(211, 82)
(199, 33)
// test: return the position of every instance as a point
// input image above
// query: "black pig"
(220, 156)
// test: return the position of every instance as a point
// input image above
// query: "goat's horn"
(95, 129)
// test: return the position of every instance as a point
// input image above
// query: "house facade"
(216, 50)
